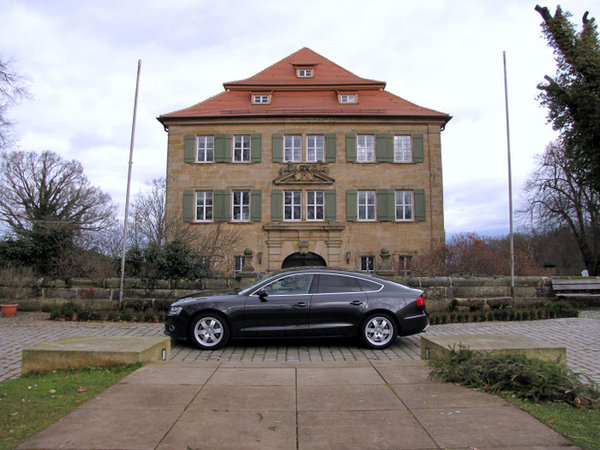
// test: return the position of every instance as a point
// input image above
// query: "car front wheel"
(378, 331)
(209, 331)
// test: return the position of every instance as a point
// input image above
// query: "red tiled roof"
(293, 96)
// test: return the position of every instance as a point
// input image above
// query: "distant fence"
(40, 294)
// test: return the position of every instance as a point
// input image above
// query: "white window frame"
(365, 148)
(201, 204)
(293, 205)
(315, 206)
(305, 72)
(238, 265)
(347, 98)
(367, 206)
(404, 202)
(240, 206)
(205, 147)
(403, 148)
(404, 265)
(315, 148)
(292, 148)
(241, 143)
(261, 99)
(367, 263)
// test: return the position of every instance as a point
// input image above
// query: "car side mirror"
(262, 295)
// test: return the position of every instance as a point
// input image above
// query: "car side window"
(331, 284)
(292, 285)
(367, 285)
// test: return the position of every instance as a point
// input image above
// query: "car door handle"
(356, 302)
(300, 305)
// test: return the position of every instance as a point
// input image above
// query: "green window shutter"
(277, 148)
(418, 148)
(188, 206)
(256, 147)
(330, 149)
(419, 205)
(276, 205)
(350, 147)
(384, 147)
(222, 148)
(385, 205)
(190, 148)
(351, 206)
(255, 205)
(330, 206)
(222, 206)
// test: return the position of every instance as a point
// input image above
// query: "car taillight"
(421, 301)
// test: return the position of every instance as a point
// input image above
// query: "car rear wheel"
(209, 331)
(379, 331)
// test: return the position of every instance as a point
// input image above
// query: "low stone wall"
(39, 294)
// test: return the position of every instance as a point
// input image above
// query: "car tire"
(209, 331)
(378, 331)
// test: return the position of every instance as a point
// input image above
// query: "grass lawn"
(580, 426)
(32, 402)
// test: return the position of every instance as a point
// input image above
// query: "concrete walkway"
(293, 405)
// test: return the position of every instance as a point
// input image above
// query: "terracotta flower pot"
(9, 310)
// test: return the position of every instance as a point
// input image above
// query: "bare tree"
(12, 89)
(148, 211)
(48, 190)
(558, 196)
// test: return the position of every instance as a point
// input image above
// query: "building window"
(205, 149)
(403, 149)
(261, 99)
(347, 98)
(238, 264)
(404, 265)
(315, 205)
(292, 205)
(292, 148)
(367, 263)
(404, 205)
(365, 148)
(204, 206)
(241, 206)
(241, 148)
(305, 73)
(315, 148)
(366, 205)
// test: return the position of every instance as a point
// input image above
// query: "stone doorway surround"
(324, 239)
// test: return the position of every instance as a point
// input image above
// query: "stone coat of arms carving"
(316, 173)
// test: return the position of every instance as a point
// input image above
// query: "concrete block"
(92, 351)
(432, 346)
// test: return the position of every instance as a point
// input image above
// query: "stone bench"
(92, 351)
(432, 346)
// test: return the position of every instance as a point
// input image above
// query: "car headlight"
(175, 310)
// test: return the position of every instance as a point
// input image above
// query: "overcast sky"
(80, 59)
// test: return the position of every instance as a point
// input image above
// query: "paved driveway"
(579, 335)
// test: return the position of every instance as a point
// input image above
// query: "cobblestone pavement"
(579, 335)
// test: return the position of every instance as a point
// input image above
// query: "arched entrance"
(303, 260)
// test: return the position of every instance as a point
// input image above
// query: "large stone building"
(313, 165)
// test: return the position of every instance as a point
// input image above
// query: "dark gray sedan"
(302, 303)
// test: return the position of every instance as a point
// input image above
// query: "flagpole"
(124, 247)
(510, 199)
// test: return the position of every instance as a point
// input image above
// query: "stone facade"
(338, 237)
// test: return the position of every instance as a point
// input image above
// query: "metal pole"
(510, 199)
(137, 85)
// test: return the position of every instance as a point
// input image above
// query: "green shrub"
(69, 309)
(149, 315)
(113, 316)
(529, 379)
(126, 315)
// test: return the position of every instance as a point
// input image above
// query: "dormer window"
(347, 98)
(305, 72)
(261, 99)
